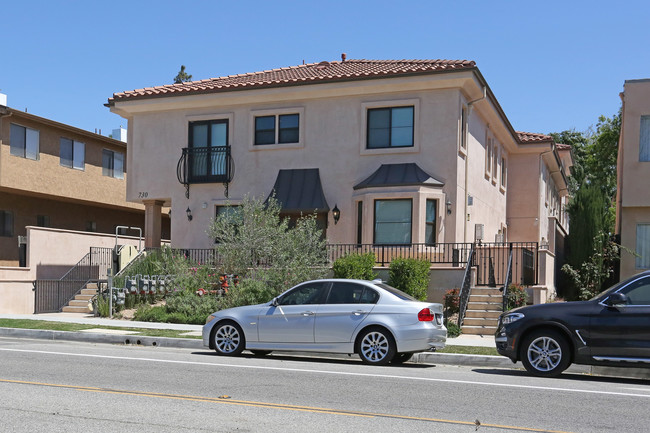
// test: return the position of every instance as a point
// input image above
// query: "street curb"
(419, 358)
(96, 337)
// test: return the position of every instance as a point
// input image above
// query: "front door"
(292, 321)
(623, 331)
(347, 306)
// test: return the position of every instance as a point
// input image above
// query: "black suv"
(612, 329)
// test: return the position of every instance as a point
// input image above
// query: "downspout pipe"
(466, 128)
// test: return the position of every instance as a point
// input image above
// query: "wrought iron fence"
(491, 262)
(454, 254)
(50, 296)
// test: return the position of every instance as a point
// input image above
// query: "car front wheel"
(376, 346)
(545, 353)
(228, 339)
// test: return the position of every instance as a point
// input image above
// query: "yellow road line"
(273, 405)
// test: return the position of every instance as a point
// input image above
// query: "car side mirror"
(274, 302)
(617, 300)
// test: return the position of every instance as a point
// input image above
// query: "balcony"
(205, 165)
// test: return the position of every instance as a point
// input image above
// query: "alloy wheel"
(544, 353)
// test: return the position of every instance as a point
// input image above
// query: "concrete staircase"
(81, 302)
(483, 310)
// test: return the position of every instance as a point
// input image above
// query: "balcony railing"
(205, 165)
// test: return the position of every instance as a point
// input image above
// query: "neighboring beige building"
(633, 196)
(55, 175)
(409, 152)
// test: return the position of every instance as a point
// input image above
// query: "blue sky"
(553, 65)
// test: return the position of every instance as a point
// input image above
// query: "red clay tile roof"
(561, 146)
(532, 137)
(302, 74)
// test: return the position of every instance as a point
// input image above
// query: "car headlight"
(511, 317)
(209, 319)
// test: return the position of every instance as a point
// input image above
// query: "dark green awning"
(300, 190)
(399, 175)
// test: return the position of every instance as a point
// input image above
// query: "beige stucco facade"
(489, 177)
(80, 199)
(633, 196)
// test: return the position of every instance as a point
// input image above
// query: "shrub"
(516, 297)
(453, 330)
(410, 276)
(247, 292)
(452, 302)
(357, 266)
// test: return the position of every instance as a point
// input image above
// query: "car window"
(638, 292)
(397, 292)
(345, 293)
(306, 294)
(369, 296)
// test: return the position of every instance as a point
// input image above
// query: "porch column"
(152, 223)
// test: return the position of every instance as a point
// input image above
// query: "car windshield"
(396, 292)
(601, 294)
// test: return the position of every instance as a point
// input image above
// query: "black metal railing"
(466, 288)
(491, 262)
(507, 281)
(205, 165)
(50, 296)
(454, 254)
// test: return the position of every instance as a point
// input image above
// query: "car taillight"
(425, 315)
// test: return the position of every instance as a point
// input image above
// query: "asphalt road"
(59, 386)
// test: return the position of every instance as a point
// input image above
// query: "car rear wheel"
(228, 339)
(401, 358)
(376, 346)
(545, 353)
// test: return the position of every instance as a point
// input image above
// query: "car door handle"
(307, 313)
(359, 312)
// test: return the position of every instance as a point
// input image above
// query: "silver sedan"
(377, 321)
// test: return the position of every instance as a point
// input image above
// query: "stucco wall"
(332, 139)
(633, 174)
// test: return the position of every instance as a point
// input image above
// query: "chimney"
(343, 57)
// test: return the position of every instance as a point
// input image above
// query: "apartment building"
(58, 176)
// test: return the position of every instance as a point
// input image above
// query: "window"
(351, 293)
(267, 133)
(91, 226)
(24, 142)
(463, 128)
(72, 154)
(495, 161)
(113, 164)
(359, 222)
(644, 139)
(6, 223)
(393, 221)
(208, 142)
(488, 155)
(390, 127)
(310, 293)
(638, 293)
(42, 221)
(430, 226)
(503, 172)
(643, 246)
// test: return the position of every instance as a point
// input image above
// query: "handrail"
(466, 289)
(507, 281)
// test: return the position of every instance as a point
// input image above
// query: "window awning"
(300, 190)
(399, 175)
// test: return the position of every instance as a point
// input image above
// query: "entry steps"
(483, 310)
(82, 302)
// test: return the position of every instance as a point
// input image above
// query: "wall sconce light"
(189, 214)
(448, 207)
(336, 213)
